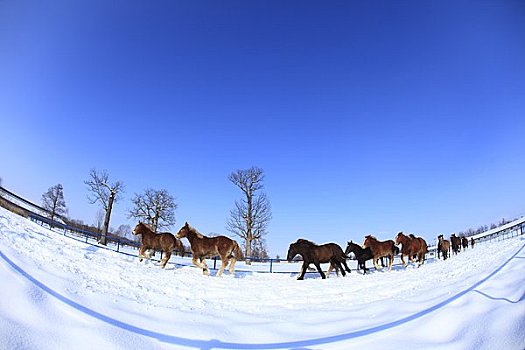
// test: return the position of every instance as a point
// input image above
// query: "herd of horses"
(202, 247)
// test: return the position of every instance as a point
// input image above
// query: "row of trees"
(248, 219)
(484, 228)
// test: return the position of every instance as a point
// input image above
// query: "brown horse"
(413, 247)
(380, 249)
(464, 242)
(162, 241)
(443, 247)
(203, 247)
(318, 254)
(456, 243)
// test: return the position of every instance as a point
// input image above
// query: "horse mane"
(371, 236)
(302, 240)
(147, 226)
(412, 236)
(194, 230)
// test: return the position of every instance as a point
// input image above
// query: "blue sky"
(370, 117)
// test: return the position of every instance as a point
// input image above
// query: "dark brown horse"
(412, 246)
(464, 242)
(162, 241)
(361, 254)
(203, 247)
(472, 242)
(380, 249)
(456, 243)
(443, 247)
(318, 254)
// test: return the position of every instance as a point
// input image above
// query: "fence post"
(118, 245)
(215, 263)
(271, 264)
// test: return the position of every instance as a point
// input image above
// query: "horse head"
(368, 240)
(350, 248)
(292, 251)
(183, 232)
(400, 238)
(139, 228)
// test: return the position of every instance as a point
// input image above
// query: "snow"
(60, 293)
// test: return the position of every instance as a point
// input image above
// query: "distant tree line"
(483, 228)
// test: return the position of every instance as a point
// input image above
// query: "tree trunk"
(155, 222)
(105, 229)
(249, 224)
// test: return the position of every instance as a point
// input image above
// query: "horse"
(464, 242)
(203, 247)
(456, 243)
(380, 249)
(443, 247)
(412, 246)
(361, 254)
(318, 254)
(163, 241)
(472, 242)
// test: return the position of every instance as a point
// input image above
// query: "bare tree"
(105, 193)
(155, 207)
(124, 231)
(53, 201)
(251, 215)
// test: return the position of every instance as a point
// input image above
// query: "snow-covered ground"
(58, 293)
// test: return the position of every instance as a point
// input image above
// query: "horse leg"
(232, 264)
(141, 253)
(346, 266)
(303, 270)
(205, 270)
(221, 269)
(164, 261)
(421, 259)
(376, 265)
(403, 260)
(338, 267)
(331, 268)
(320, 270)
(199, 263)
(340, 264)
(390, 261)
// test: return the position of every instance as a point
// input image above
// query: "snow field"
(184, 308)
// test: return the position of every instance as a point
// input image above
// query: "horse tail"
(237, 251)
(395, 249)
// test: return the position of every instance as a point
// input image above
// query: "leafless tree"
(105, 193)
(53, 201)
(155, 207)
(124, 231)
(250, 218)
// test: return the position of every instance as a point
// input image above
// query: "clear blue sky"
(367, 117)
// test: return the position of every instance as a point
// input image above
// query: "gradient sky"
(367, 117)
